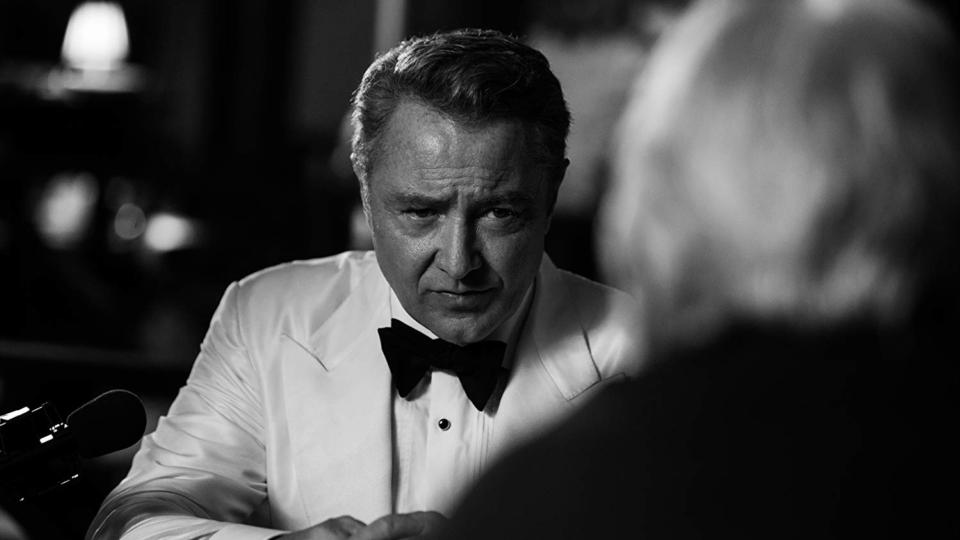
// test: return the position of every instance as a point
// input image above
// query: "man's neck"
(508, 331)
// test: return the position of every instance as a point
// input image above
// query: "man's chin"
(463, 331)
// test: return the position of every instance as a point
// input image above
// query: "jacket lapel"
(339, 409)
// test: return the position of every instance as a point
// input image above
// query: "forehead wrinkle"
(465, 173)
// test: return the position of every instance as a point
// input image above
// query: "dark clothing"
(765, 433)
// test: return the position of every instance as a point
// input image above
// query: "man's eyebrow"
(406, 198)
(415, 199)
(513, 197)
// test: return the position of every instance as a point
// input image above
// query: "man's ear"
(362, 180)
(356, 168)
(556, 175)
(555, 179)
(562, 171)
(365, 198)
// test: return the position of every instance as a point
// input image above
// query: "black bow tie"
(411, 354)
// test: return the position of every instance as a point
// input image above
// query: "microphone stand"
(37, 458)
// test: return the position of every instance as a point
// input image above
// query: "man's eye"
(502, 213)
(421, 213)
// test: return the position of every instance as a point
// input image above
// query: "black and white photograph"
(479, 269)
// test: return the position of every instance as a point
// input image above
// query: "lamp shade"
(96, 37)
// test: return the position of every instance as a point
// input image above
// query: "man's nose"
(458, 254)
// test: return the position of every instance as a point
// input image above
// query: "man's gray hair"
(473, 76)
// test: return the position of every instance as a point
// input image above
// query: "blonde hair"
(790, 159)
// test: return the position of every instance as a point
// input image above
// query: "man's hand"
(339, 528)
(401, 526)
(389, 527)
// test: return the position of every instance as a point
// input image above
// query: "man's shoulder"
(312, 272)
(600, 306)
(314, 284)
(594, 293)
(611, 321)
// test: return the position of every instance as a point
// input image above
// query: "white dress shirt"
(442, 441)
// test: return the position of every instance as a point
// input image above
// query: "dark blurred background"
(158, 150)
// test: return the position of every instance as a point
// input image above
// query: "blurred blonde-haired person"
(785, 204)
(790, 161)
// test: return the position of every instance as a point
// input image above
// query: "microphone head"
(109, 422)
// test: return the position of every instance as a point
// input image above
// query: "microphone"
(39, 452)
(109, 422)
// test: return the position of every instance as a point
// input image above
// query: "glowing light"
(827, 9)
(13, 414)
(66, 208)
(46, 439)
(96, 37)
(168, 232)
(130, 221)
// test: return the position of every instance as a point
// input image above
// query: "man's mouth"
(469, 292)
(464, 299)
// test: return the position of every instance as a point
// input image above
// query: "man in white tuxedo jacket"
(357, 396)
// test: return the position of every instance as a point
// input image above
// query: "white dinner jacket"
(287, 414)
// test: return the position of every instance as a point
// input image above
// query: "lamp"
(96, 37)
(94, 53)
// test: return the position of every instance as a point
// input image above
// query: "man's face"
(459, 215)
